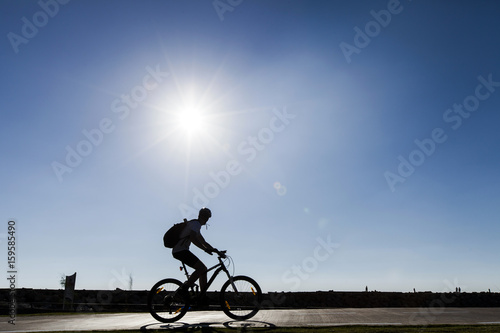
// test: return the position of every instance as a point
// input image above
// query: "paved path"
(265, 318)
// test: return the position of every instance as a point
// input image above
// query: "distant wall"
(383, 299)
(48, 300)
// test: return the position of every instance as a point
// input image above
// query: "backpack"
(172, 236)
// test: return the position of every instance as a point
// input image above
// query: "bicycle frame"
(240, 303)
(218, 268)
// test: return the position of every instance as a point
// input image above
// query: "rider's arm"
(198, 240)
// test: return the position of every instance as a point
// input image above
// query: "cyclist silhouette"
(192, 234)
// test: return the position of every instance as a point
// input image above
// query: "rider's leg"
(201, 273)
(192, 261)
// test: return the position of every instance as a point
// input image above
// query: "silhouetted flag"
(69, 288)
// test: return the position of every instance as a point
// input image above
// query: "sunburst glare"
(190, 119)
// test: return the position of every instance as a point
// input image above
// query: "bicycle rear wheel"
(161, 302)
(240, 298)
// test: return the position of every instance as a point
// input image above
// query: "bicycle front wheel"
(240, 297)
(162, 304)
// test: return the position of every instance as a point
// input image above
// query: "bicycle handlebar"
(221, 254)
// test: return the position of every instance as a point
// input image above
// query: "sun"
(190, 119)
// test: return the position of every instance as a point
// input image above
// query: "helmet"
(205, 213)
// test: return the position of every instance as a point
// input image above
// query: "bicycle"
(240, 296)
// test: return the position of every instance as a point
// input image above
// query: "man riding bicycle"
(192, 234)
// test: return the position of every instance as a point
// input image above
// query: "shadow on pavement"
(240, 326)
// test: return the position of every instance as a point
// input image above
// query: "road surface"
(265, 318)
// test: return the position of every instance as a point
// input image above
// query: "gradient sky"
(312, 114)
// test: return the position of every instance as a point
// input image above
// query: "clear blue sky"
(371, 126)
